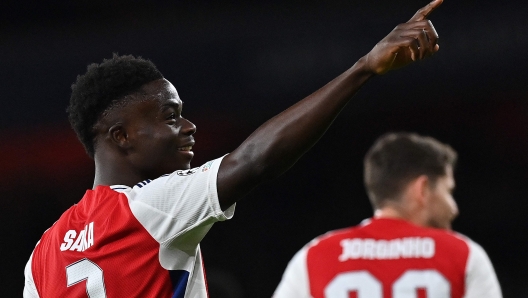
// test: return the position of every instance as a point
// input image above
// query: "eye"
(172, 116)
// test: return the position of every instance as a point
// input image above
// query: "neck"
(399, 211)
(388, 213)
(114, 171)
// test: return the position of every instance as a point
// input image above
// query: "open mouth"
(186, 148)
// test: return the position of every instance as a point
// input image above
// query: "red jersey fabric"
(123, 249)
(325, 265)
(390, 258)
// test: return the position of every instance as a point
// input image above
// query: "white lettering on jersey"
(82, 242)
(371, 249)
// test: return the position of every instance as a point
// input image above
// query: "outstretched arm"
(277, 144)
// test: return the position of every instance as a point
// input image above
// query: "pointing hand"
(411, 41)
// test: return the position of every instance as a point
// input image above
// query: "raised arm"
(277, 144)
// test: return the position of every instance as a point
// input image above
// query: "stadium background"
(237, 64)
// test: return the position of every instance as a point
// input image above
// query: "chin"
(185, 166)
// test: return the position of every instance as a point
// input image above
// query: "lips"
(185, 148)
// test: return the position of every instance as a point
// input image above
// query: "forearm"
(277, 144)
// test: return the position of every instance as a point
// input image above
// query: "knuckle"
(424, 23)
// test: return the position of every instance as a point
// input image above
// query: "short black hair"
(101, 87)
(397, 158)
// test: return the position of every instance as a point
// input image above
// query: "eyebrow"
(171, 104)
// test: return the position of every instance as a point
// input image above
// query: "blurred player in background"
(136, 233)
(407, 249)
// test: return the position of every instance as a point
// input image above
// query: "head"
(124, 108)
(412, 174)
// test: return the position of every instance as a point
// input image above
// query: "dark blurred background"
(237, 64)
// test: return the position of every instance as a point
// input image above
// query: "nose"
(188, 128)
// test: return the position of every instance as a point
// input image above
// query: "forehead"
(162, 91)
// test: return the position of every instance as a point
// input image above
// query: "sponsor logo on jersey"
(186, 172)
(207, 166)
(372, 249)
(83, 240)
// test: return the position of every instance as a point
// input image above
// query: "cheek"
(155, 138)
(145, 135)
(153, 146)
(447, 208)
(443, 212)
(443, 205)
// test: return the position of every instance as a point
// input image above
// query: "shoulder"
(481, 280)
(329, 244)
(181, 183)
(447, 237)
(477, 254)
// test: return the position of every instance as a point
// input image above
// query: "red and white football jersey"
(390, 258)
(130, 242)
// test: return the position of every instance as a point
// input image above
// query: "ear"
(418, 190)
(118, 135)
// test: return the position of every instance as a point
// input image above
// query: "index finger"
(425, 11)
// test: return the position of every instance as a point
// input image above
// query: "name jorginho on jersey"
(83, 240)
(372, 249)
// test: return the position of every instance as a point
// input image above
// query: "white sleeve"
(294, 282)
(481, 281)
(30, 291)
(178, 209)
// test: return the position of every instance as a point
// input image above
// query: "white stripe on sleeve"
(295, 281)
(30, 291)
(481, 280)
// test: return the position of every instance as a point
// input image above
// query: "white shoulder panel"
(481, 280)
(30, 291)
(295, 281)
(178, 210)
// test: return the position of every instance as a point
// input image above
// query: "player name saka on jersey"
(83, 239)
(372, 249)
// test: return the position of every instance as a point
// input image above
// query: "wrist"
(361, 69)
(362, 66)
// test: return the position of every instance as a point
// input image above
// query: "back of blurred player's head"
(396, 159)
(103, 87)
